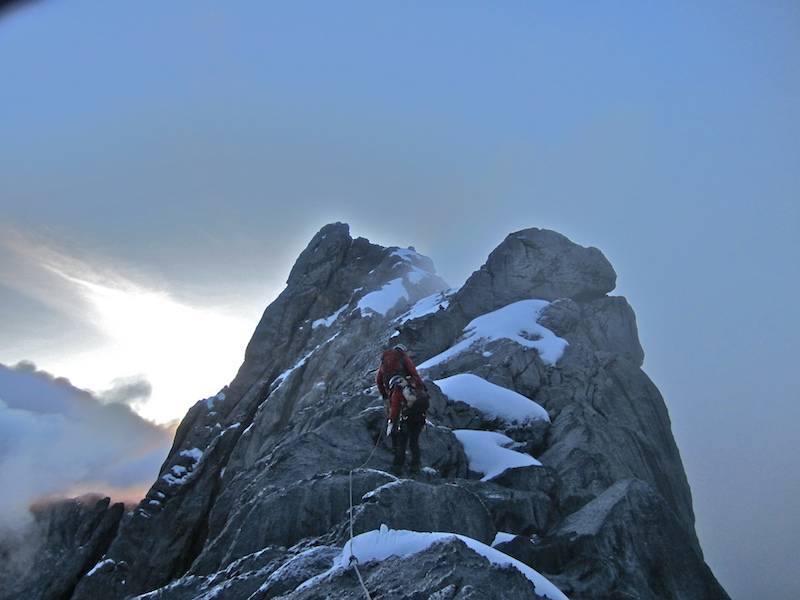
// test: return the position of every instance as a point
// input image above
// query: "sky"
(162, 165)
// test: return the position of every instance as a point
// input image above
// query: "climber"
(407, 414)
(396, 362)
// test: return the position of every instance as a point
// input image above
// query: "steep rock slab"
(283, 516)
(333, 272)
(295, 347)
(609, 420)
(414, 506)
(289, 494)
(627, 543)
(521, 500)
(244, 577)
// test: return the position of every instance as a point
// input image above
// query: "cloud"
(130, 324)
(133, 391)
(60, 441)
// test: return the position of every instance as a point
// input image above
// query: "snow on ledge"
(425, 306)
(385, 299)
(518, 322)
(383, 543)
(487, 452)
(328, 321)
(492, 400)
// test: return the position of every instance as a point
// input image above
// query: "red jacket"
(394, 362)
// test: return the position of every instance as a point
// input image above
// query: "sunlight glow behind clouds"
(186, 351)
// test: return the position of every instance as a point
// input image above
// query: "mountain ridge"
(254, 497)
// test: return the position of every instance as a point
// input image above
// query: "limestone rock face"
(537, 263)
(597, 558)
(272, 480)
(432, 509)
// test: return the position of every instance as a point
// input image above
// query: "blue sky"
(163, 164)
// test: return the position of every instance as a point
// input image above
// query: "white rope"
(354, 562)
(353, 559)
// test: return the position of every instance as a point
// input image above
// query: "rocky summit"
(549, 465)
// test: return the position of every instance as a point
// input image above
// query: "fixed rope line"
(353, 559)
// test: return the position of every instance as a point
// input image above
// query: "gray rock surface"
(432, 508)
(268, 479)
(597, 558)
(448, 570)
(68, 538)
(537, 263)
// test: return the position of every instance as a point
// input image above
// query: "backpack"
(417, 401)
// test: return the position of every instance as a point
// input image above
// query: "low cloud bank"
(59, 441)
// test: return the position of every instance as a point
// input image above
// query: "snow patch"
(100, 565)
(487, 452)
(406, 254)
(492, 400)
(373, 493)
(282, 377)
(416, 275)
(427, 305)
(328, 321)
(413, 258)
(209, 402)
(383, 300)
(177, 475)
(517, 322)
(195, 454)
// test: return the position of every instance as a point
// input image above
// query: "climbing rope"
(354, 562)
(353, 559)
